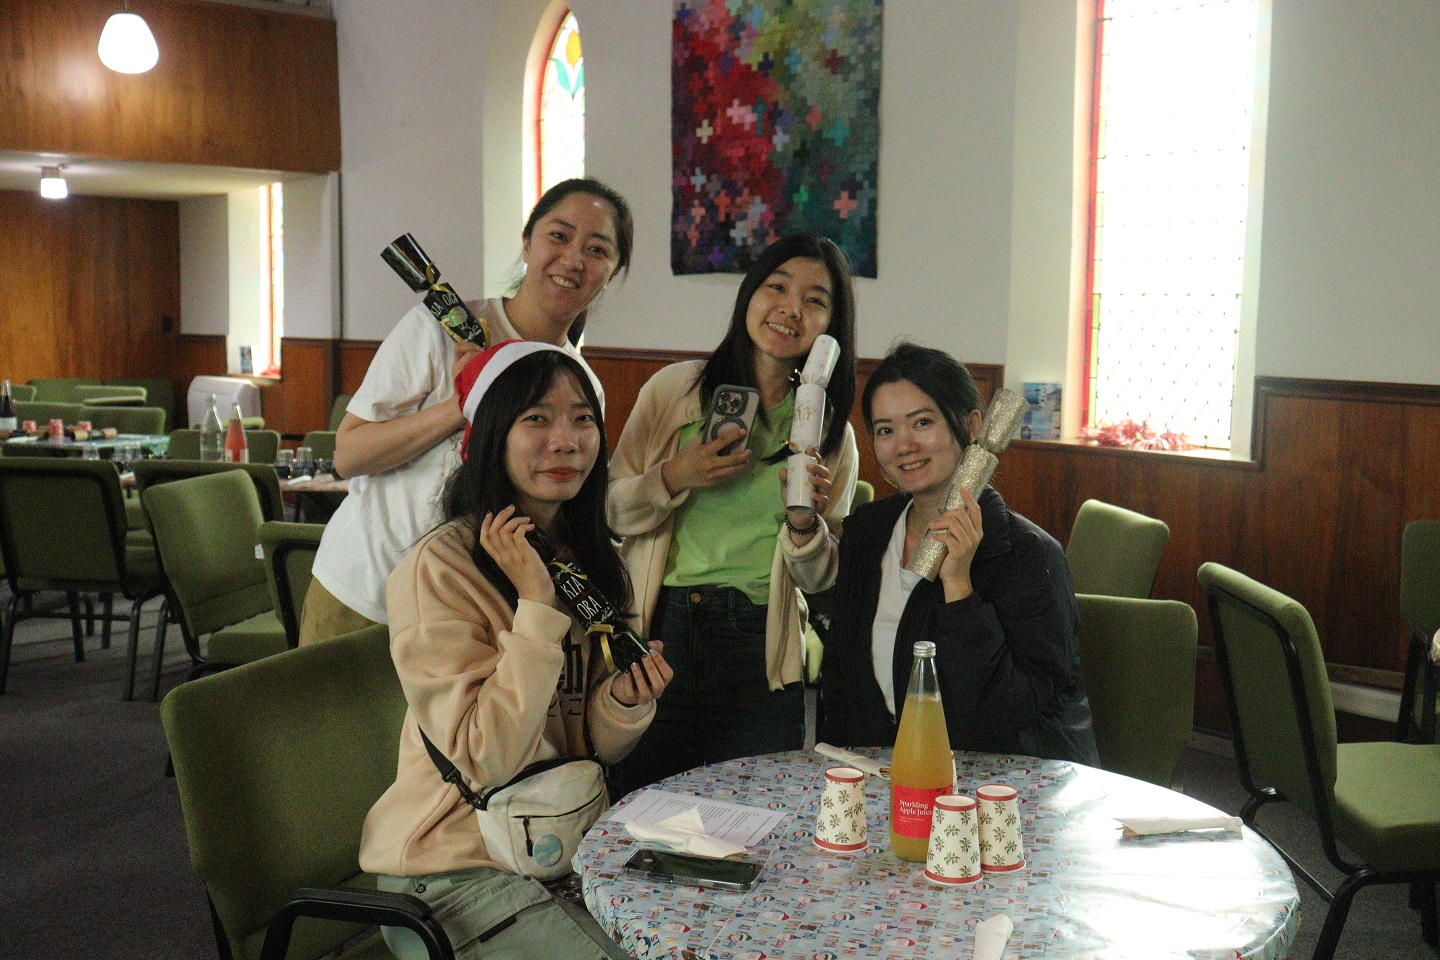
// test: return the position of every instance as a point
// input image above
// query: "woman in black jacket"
(1001, 612)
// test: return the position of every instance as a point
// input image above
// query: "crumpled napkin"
(991, 936)
(1150, 826)
(685, 832)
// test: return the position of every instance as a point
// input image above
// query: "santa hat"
(476, 377)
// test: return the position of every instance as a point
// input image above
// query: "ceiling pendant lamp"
(127, 45)
(52, 184)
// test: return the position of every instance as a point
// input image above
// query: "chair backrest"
(1282, 715)
(1137, 658)
(1114, 552)
(864, 493)
(337, 409)
(184, 444)
(22, 392)
(263, 445)
(62, 523)
(148, 473)
(321, 443)
(59, 389)
(206, 529)
(149, 420)
(86, 392)
(159, 392)
(277, 763)
(43, 411)
(289, 555)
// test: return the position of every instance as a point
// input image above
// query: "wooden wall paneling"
(300, 400)
(353, 357)
(235, 86)
(200, 354)
(86, 285)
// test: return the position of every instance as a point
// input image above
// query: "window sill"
(1219, 458)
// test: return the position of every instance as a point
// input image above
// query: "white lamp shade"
(127, 45)
(52, 185)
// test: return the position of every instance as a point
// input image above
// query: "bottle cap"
(924, 648)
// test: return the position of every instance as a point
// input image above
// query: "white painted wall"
(249, 299)
(312, 256)
(412, 78)
(205, 265)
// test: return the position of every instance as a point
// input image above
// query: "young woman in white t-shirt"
(398, 441)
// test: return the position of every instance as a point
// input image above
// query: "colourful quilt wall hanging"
(776, 128)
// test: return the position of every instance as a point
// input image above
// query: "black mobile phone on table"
(731, 407)
(671, 867)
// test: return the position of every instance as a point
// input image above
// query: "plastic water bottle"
(212, 434)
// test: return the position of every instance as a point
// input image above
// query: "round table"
(1085, 891)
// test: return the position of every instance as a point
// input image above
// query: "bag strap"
(450, 774)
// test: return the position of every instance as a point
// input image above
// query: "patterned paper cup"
(840, 823)
(1002, 849)
(954, 855)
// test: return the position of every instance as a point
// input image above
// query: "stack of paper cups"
(840, 822)
(1001, 847)
(954, 854)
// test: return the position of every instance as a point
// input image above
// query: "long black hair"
(624, 228)
(482, 484)
(734, 360)
(936, 374)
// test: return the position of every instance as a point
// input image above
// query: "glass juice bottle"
(922, 767)
(236, 449)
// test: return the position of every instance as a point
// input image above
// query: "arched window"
(560, 126)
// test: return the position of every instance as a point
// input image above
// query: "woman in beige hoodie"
(497, 672)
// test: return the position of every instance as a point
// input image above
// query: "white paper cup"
(1002, 848)
(840, 821)
(954, 854)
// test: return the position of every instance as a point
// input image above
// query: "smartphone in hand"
(671, 867)
(731, 407)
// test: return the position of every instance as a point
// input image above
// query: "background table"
(156, 443)
(1085, 891)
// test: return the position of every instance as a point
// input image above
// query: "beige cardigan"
(642, 511)
(483, 682)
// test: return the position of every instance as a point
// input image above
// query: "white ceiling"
(120, 178)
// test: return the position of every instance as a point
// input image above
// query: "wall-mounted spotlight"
(127, 45)
(52, 184)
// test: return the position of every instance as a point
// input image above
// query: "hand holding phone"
(671, 867)
(732, 411)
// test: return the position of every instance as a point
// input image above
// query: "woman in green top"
(716, 560)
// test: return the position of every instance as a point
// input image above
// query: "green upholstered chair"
(62, 527)
(819, 604)
(289, 554)
(159, 392)
(43, 411)
(149, 420)
(1137, 658)
(60, 389)
(1114, 552)
(263, 445)
(1380, 800)
(103, 394)
(337, 410)
(206, 529)
(1420, 606)
(22, 392)
(277, 764)
(149, 473)
(321, 443)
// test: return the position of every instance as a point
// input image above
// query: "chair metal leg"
(133, 653)
(1429, 921)
(159, 649)
(1339, 910)
(7, 638)
(89, 604)
(75, 629)
(107, 609)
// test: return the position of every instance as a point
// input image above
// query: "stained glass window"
(1172, 154)
(562, 108)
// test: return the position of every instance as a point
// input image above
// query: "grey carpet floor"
(93, 845)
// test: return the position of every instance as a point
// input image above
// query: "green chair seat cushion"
(1387, 796)
(260, 636)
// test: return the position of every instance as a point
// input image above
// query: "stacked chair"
(277, 764)
(1380, 800)
(62, 527)
(206, 529)
(1420, 606)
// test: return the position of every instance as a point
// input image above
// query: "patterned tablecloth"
(1085, 892)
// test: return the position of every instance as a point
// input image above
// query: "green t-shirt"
(725, 534)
